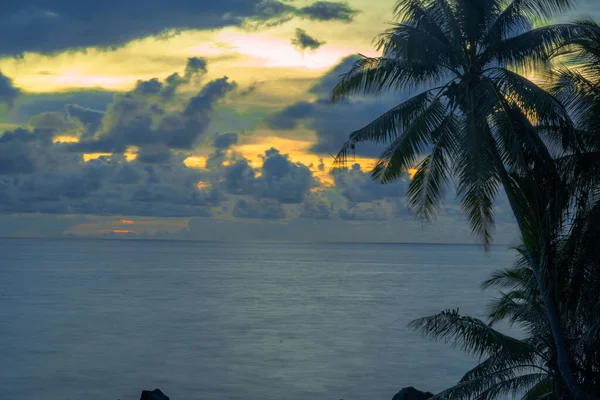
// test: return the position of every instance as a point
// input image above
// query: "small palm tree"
(528, 367)
(474, 116)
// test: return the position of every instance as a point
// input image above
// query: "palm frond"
(425, 16)
(427, 187)
(448, 22)
(514, 19)
(414, 45)
(576, 91)
(377, 75)
(477, 173)
(514, 386)
(506, 363)
(531, 49)
(537, 104)
(469, 334)
(389, 127)
(487, 387)
(541, 390)
(404, 151)
(518, 307)
(518, 276)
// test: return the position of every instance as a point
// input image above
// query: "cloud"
(328, 10)
(194, 68)
(330, 79)
(145, 117)
(16, 157)
(47, 26)
(269, 13)
(106, 186)
(316, 206)
(33, 104)
(240, 178)
(225, 141)
(38, 175)
(8, 93)
(304, 41)
(333, 123)
(89, 118)
(280, 179)
(284, 180)
(375, 211)
(51, 121)
(289, 117)
(357, 186)
(258, 209)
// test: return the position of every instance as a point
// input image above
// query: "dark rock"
(410, 393)
(155, 394)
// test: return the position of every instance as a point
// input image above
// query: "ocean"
(105, 319)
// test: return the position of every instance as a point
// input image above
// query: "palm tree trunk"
(563, 359)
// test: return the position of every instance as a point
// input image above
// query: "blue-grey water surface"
(83, 319)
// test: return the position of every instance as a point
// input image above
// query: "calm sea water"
(106, 319)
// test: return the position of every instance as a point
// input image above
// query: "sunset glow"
(223, 108)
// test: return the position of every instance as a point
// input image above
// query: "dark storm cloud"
(280, 179)
(328, 81)
(316, 206)
(139, 118)
(90, 119)
(375, 211)
(148, 88)
(50, 121)
(240, 178)
(16, 156)
(225, 140)
(28, 105)
(194, 68)
(328, 10)
(269, 13)
(41, 176)
(357, 186)
(333, 123)
(304, 41)
(46, 177)
(155, 154)
(258, 209)
(290, 117)
(284, 180)
(47, 26)
(8, 93)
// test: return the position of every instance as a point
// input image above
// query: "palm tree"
(473, 118)
(528, 366)
(578, 88)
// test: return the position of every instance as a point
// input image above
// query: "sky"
(198, 120)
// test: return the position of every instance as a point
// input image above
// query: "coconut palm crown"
(473, 116)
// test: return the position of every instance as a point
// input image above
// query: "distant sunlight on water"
(106, 319)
